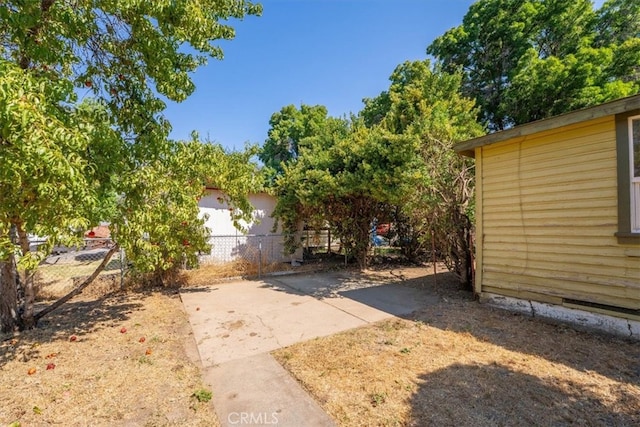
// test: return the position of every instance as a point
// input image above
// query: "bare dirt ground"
(103, 360)
(464, 363)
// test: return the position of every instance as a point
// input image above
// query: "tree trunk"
(9, 317)
(10, 294)
(27, 319)
(362, 232)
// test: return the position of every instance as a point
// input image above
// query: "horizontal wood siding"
(549, 214)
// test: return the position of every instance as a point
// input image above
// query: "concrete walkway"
(237, 324)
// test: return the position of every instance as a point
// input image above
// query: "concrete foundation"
(579, 318)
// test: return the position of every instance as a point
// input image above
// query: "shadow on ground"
(391, 291)
(450, 307)
(493, 395)
(79, 318)
(553, 341)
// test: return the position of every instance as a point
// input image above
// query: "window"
(628, 148)
(634, 163)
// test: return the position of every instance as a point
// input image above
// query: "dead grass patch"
(463, 363)
(207, 272)
(116, 360)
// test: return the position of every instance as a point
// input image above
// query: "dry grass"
(53, 280)
(106, 376)
(207, 273)
(462, 363)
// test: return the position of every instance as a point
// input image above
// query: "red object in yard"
(100, 232)
(383, 229)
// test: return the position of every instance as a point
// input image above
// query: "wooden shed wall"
(547, 214)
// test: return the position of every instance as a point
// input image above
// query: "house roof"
(623, 105)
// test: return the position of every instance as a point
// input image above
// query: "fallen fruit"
(31, 371)
(88, 83)
(148, 352)
(142, 339)
(123, 330)
(197, 308)
(51, 366)
(73, 338)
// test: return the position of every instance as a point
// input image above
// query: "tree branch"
(80, 288)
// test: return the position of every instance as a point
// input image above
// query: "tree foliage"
(345, 176)
(288, 128)
(424, 104)
(618, 21)
(169, 231)
(391, 162)
(56, 159)
(124, 52)
(527, 60)
(66, 165)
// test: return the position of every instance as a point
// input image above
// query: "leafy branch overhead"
(528, 60)
(124, 52)
(68, 165)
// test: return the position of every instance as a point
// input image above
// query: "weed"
(144, 360)
(202, 395)
(377, 398)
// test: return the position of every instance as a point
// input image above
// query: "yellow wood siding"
(547, 216)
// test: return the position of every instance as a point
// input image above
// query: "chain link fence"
(241, 254)
(67, 267)
(320, 241)
(252, 248)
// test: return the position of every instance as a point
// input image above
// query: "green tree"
(64, 165)
(345, 176)
(169, 230)
(51, 177)
(125, 52)
(487, 46)
(527, 60)
(424, 104)
(545, 87)
(618, 21)
(288, 128)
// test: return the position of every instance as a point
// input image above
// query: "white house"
(229, 243)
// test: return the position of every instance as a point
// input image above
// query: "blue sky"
(329, 52)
